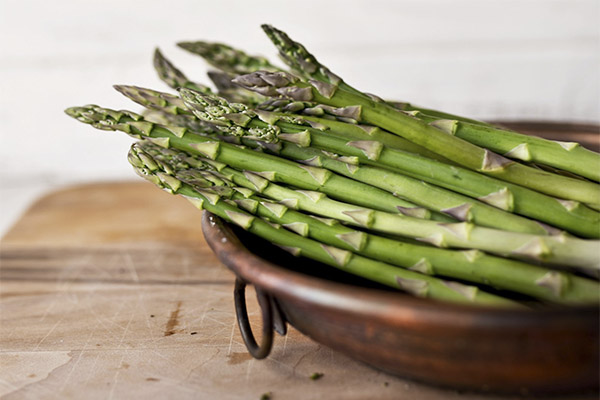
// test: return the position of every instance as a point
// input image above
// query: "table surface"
(110, 291)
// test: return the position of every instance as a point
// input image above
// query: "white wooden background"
(522, 59)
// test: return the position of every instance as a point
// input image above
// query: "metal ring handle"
(264, 301)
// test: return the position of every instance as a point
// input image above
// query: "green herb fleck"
(317, 375)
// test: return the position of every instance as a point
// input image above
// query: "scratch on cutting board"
(173, 321)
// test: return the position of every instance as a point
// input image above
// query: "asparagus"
(272, 167)
(304, 64)
(568, 156)
(560, 250)
(236, 62)
(412, 282)
(227, 58)
(563, 155)
(472, 266)
(431, 137)
(408, 107)
(231, 91)
(172, 76)
(567, 215)
(340, 120)
(217, 110)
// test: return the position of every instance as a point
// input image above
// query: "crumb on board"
(266, 396)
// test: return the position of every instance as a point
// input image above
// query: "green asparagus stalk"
(568, 156)
(433, 198)
(560, 250)
(408, 107)
(227, 58)
(172, 76)
(472, 266)
(434, 138)
(169, 105)
(412, 282)
(271, 167)
(237, 62)
(304, 64)
(337, 120)
(551, 249)
(340, 120)
(233, 92)
(216, 110)
(500, 195)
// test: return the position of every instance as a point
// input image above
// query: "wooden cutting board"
(109, 291)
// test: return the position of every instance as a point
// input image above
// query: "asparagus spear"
(563, 155)
(559, 250)
(304, 64)
(540, 150)
(231, 91)
(236, 62)
(337, 119)
(172, 76)
(272, 167)
(409, 281)
(567, 215)
(408, 107)
(433, 138)
(227, 58)
(473, 266)
(568, 156)
(430, 197)
(340, 120)
(216, 110)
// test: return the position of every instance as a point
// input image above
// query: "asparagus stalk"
(217, 110)
(568, 156)
(304, 64)
(237, 62)
(408, 107)
(409, 281)
(232, 92)
(172, 76)
(500, 195)
(434, 138)
(227, 58)
(340, 120)
(472, 266)
(271, 167)
(559, 250)
(172, 107)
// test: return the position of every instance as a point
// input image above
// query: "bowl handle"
(271, 319)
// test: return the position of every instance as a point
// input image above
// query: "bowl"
(551, 350)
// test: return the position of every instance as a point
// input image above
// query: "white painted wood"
(527, 59)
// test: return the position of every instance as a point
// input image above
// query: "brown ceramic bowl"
(551, 350)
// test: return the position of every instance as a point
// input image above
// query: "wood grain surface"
(108, 291)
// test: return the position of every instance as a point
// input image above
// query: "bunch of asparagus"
(433, 204)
